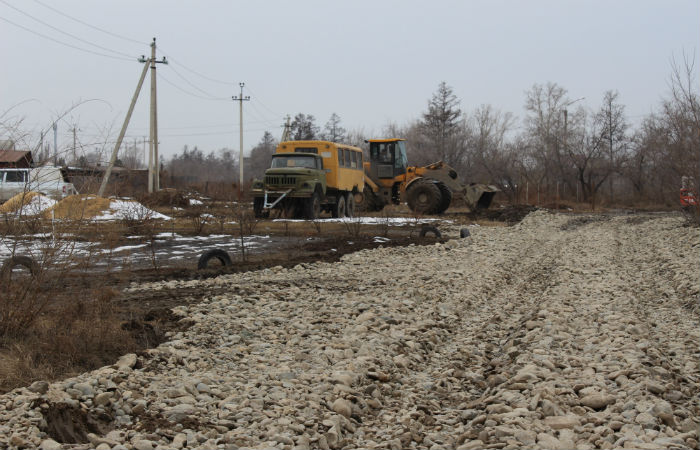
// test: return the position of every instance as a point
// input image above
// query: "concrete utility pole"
(55, 144)
(115, 152)
(240, 99)
(153, 164)
(74, 142)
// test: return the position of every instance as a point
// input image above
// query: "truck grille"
(280, 180)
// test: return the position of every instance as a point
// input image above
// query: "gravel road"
(559, 332)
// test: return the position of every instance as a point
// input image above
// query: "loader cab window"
(400, 162)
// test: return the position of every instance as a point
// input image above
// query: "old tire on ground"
(430, 229)
(15, 261)
(445, 199)
(350, 205)
(312, 206)
(464, 232)
(424, 197)
(338, 209)
(216, 253)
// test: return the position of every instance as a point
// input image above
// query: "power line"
(229, 83)
(188, 92)
(64, 43)
(64, 32)
(87, 24)
(191, 84)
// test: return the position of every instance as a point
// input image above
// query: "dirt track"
(559, 332)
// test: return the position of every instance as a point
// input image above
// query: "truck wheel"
(446, 197)
(424, 197)
(258, 208)
(217, 253)
(312, 206)
(350, 205)
(338, 209)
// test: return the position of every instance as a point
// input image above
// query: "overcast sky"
(371, 62)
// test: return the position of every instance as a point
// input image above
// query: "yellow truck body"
(343, 163)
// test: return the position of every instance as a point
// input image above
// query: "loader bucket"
(479, 196)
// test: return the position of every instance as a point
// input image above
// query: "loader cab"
(387, 158)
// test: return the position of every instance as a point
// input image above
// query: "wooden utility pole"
(240, 99)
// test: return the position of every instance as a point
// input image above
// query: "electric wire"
(177, 62)
(88, 25)
(65, 43)
(160, 75)
(64, 32)
(191, 84)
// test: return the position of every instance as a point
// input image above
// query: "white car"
(47, 180)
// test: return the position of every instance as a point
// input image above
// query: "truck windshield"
(282, 161)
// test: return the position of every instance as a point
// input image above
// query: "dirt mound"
(165, 197)
(78, 207)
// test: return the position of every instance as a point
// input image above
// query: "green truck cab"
(295, 183)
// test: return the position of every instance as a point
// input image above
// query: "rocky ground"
(560, 332)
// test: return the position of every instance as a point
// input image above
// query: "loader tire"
(430, 229)
(14, 261)
(446, 197)
(371, 201)
(424, 197)
(216, 253)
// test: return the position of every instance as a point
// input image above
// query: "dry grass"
(18, 201)
(68, 338)
(77, 207)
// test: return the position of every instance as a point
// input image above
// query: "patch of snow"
(120, 210)
(126, 247)
(194, 201)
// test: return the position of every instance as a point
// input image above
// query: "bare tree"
(611, 122)
(332, 131)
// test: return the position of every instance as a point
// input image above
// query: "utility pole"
(55, 144)
(240, 99)
(118, 144)
(153, 164)
(74, 142)
(287, 130)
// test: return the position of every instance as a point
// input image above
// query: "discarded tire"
(219, 254)
(14, 261)
(430, 229)
(464, 232)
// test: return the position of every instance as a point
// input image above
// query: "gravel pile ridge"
(559, 332)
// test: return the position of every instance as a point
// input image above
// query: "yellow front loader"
(426, 190)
